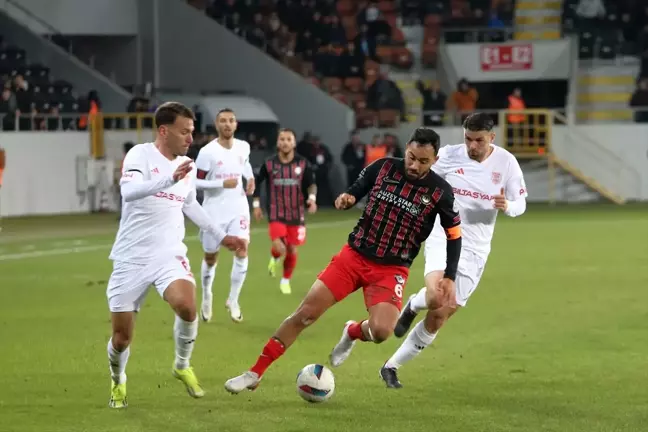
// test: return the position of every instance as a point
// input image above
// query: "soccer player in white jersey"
(221, 165)
(157, 187)
(486, 179)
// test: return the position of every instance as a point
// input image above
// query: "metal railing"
(488, 34)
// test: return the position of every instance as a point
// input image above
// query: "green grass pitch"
(554, 339)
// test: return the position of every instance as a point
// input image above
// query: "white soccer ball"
(315, 383)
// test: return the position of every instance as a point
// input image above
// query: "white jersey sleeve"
(515, 187)
(441, 166)
(135, 182)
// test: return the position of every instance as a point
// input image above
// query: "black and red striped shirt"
(286, 188)
(400, 213)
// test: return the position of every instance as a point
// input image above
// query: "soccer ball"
(315, 383)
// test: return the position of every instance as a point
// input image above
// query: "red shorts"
(349, 270)
(294, 235)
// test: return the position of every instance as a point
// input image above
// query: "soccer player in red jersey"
(286, 176)
(404, 198)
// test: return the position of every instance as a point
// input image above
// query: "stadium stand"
(613, 54)
(339, 46)
(29, 88)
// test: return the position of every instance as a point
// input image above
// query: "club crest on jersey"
(425, 199)
(496, 177)
(399, 279)
(298, 170)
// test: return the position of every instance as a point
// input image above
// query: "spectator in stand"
(353, 157)
(366, 44)
(434, 102)
(516, 121)
(352, 63)
(639, 101)
(375, 23)
(463, 100)
(384, 94)
(7, 102)
(376, 149)
(590, 9)
(333, 33)
(321, 160)
(393, 146)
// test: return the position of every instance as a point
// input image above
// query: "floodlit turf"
(555, 338)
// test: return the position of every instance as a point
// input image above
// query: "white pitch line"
(93, 248)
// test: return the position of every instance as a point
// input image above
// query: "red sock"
(355, 331)
(289, 265)
(275, 253)
(271, 352)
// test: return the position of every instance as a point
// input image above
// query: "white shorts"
(469, 272)
(238, 226)
(130, 282)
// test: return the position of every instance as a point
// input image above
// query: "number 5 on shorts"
(301, 234)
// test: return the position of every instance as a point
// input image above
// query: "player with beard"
(290, 182)
(486, 180)
(404, 199)
(157, 188)
(222, 164)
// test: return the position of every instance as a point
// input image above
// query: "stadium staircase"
(538, 19)
(576, 169)
(604, 92)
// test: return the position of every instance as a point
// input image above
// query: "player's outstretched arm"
(194, 211)
(134, 187)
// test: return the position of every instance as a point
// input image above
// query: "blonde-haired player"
(157, 187)
(486, 180)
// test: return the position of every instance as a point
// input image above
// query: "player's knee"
(305, 315)
(121, 339)
(211, 259)
(242, 253)
(291, 249)
(279, 246)
(185, 310)
(380, 332)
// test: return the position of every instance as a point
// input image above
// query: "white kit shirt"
(219, 164)
(474, 185)
(153, 227)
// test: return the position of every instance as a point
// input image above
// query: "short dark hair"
(224, 110)
(168, 112)
(479, 122)
(288, 130)
(426, 136)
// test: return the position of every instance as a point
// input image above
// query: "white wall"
(76, 17)
(41, 172)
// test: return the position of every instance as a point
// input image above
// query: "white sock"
(117, 362)
(284, 280)
(239, 270)
(184, 334)
(207, 276)
(416, 340)
(418, 303)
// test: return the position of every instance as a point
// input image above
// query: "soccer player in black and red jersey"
(404, 198)
(286, 175)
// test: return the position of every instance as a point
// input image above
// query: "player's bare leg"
(377, 329)
(290, 261)
(424, 333)
(207, 274)
(318, 300)
(123, 324)
(181, 296)
(239, 271)
(277, 250)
